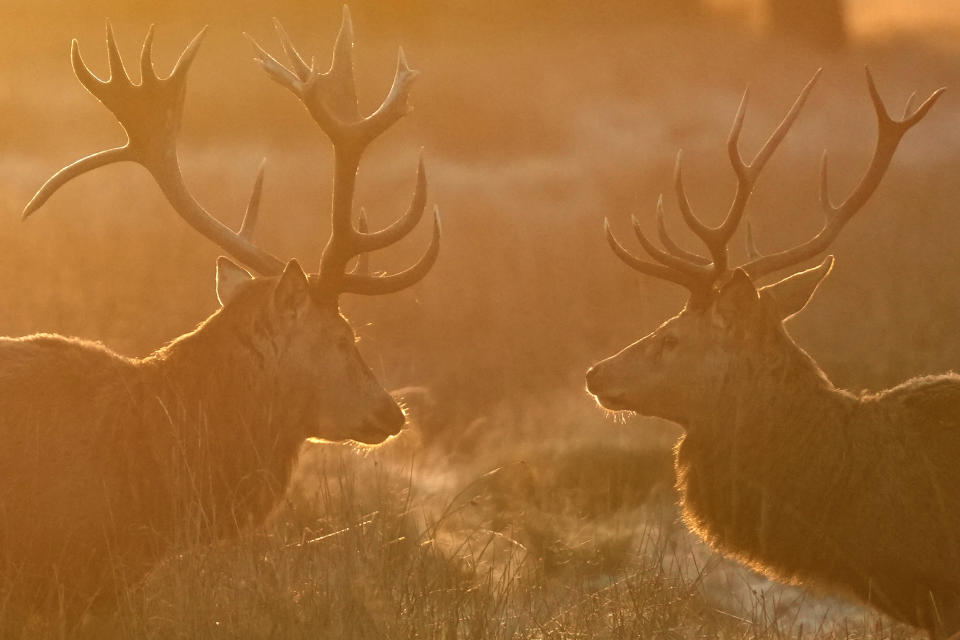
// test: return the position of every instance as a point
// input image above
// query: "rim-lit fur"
(800, 480)
(107, 460)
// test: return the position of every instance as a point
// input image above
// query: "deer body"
(810, 484)
(107, 461)
(804, 482)
(778, 468)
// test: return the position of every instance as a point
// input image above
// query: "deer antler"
(889, 134)
(331, 99)
(151, 113)
(701, 275)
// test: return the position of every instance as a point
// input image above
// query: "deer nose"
(390, 418)
(593, 379)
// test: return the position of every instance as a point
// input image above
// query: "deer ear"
(792, 294)
(292, 290)
(738, 297)
(229, 279)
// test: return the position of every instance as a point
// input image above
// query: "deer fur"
(107, 461)
(800, 480)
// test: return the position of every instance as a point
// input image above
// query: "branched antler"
(701, 275)
(331, 99)
(889, 134)
(150, 114)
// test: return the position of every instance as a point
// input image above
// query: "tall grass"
(375, 545)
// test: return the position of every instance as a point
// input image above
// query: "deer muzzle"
(385, 420)
(608, 394)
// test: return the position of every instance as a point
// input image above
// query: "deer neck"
(771, 391)
(216, 403)
(745, 467)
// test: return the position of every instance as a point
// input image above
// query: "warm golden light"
(510, 505)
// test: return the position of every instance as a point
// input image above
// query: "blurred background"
(537, 119)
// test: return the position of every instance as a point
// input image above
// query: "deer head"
(289, 315)
(729, 328)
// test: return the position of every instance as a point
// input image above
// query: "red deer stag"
(104, 455)
(800, 480)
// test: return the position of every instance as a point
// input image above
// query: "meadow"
(512, 507)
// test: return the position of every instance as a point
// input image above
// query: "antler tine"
(90, 82)
(826, 203)
(150, 114)
(303, 71)
(147, 73)
(922, 110)
(361, 242)
(251, 215)
(667, 259)
(733, 140)
(362, 267)
(277, 72)
(716, 245)
(343, 87)
(370, 285)
(669, 243)
(908, 105)
(365, 242)
(698, 227)
(751, 244)
(115, 63)
(747, 173)
(889, 134)
(395, 105)
(71, 171)
(660, 271)
(182, 66)
(754, 168)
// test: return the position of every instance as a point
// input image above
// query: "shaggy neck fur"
(734, 465)
(229, 443)
(808, 483)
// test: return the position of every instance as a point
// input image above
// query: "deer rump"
(876, 517)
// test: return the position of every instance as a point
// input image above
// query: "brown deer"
(798, 479)
(106, 459)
